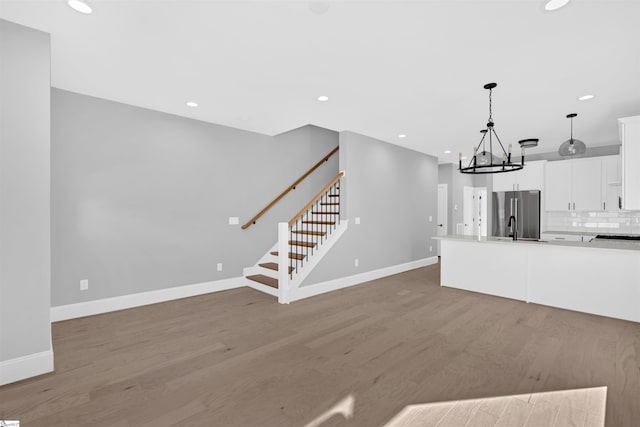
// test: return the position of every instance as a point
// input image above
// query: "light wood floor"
(237, 358)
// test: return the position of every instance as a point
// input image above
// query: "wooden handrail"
(315, 199)
(291, 187)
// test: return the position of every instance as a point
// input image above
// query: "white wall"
(25, 270)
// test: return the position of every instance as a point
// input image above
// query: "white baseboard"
(24, 367)
(89, 308)
(344, 282)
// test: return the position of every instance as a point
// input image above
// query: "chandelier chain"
(490, 112)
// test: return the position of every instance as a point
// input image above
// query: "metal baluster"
(312, 247)
(324, 217)
(339, 203)
(291, 260)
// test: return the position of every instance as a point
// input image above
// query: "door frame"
(444, 188)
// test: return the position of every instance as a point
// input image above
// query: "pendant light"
(572, 147)
(485, 161)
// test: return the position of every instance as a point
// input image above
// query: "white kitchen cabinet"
(531, 177)
(587, 184)
(574, 185)
(568, 237)
(559, 237)
(557, 187)
(611, 183)
(630, 153)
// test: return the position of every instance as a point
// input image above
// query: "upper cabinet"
(611, 183)
(587, 183)
(575, 185)
(531, 177)
(630, 153)
(558, 183)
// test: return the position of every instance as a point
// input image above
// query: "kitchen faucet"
(515, 226)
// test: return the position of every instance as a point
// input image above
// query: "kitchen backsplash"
(623, 222)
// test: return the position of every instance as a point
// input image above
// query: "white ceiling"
(389, 67)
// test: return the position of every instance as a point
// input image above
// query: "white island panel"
(597, 281)
(596, 277)
(490, 269)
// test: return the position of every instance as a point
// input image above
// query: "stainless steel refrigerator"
(524, 206)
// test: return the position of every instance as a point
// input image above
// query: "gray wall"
(393, 190)
(141, 199)
(24, 192)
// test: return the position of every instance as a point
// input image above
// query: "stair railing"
(288, 189)
(305, 233)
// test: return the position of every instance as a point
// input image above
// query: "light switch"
(219, 266)
(234, 220)
(357, 220)
(430, 218)
(84, 284)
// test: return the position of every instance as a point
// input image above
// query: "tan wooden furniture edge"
(315, 199)
(291, 187)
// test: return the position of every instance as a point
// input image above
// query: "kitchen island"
(598, 277)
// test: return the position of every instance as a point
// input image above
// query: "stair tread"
(319, 222)
(330, 203)
(299, 243)
(334, 195)
(312, 233)
(265, 280)
(273, 266)
(291, 255)
(326, 213)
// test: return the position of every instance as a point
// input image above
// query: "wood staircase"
(306, 236)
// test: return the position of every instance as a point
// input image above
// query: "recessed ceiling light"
(447, 151)
(586, 97)
(555, 4)
(192, 104)
(81, 6)
(323, 98)
(319, 7)
(402, 135)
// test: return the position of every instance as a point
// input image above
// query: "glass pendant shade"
(486, 158)
(572, 147)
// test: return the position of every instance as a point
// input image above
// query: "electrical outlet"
(219, 266)
(234, 220)
(357, 220)
(430, 248)
(430, 218)
(356, 262)
(84, 284)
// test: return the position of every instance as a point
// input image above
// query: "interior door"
(467, 211)
(480, 211)
(443, 209)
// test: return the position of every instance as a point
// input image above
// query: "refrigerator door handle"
(518, 223)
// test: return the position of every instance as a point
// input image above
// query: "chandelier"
(485, 161)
